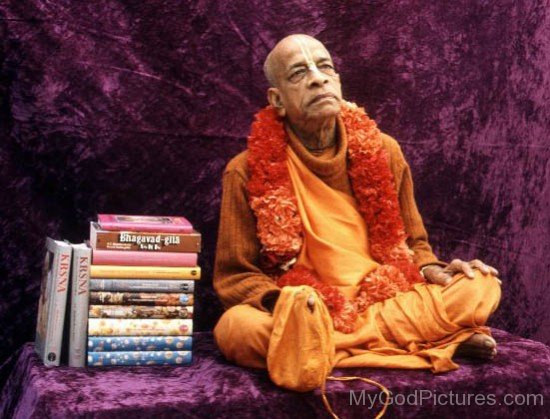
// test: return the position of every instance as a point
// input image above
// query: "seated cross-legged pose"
(323, 259)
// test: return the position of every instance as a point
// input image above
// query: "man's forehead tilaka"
(306, 53)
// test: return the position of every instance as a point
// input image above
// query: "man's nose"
(316, 77)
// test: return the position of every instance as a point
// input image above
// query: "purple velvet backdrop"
(135, 107)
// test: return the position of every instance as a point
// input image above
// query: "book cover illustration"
(143, 285)
(52, 303)
(140, 327)
(144, 241)
(137, 258)
(140, 312)
(139, 343)
(147, 272)
(142, 298)
(139, 358)
(158, 224)
(80, 291)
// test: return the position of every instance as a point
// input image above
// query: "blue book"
(139, 343)
(139, 358)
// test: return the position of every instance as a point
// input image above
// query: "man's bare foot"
(478, 346)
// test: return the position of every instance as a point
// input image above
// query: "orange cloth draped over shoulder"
(417, 329)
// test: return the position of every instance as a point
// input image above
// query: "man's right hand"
(436, 274)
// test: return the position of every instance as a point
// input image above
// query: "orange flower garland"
(279, 226)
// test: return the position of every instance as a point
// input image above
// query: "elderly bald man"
(322, 257)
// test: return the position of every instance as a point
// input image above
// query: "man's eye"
(327, 69)
(297, 75)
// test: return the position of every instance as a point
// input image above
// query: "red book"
(141, 258)
(158, 224)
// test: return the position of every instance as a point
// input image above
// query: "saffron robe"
(417, 329)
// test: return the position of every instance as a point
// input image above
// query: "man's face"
(308, 86)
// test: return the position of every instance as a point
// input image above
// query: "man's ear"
(275, 100)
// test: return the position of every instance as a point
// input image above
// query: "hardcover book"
(139, 358)
(144, 241)
(80, 291)
(53, 300)
(139, 343)
(142, 298)
(140, 312)
(140, 327)
(143, 285)
(137, 258)
(148, 272)
(157, 224)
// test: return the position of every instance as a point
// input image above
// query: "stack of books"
(141, 289)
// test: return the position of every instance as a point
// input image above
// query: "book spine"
(139, 358)
(147, 272)
(140, 327)
(142, 298)
(140, 312)
(139, 343)
(143, 241)
(80, 291)
(142, 285)
(131, 258)
(58, 303)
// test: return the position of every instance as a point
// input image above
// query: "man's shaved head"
(272, 64)
(305, 86)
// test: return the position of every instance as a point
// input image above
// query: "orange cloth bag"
(301, 348)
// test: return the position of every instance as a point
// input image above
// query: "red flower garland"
(279, 226)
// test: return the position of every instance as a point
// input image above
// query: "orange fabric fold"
(335, 242)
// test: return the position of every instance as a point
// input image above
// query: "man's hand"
(442, 276)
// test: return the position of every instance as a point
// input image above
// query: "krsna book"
(53, 300)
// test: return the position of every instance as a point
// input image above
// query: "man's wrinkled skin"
(306, 91)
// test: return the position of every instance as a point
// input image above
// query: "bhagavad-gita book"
(144, 241)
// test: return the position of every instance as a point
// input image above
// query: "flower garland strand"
(279, 226)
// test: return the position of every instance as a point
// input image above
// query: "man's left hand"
(442, 276)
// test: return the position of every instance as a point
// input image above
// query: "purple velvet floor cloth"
(213, 388)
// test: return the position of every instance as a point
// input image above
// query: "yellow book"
(145, 272)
